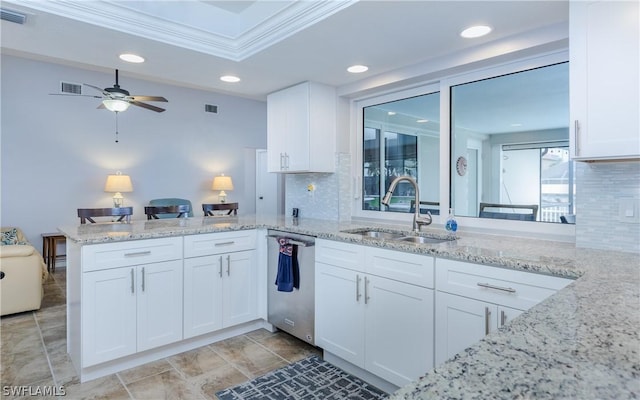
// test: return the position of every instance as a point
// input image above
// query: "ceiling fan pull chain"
(116, 127)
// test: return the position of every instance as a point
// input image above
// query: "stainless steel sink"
(422, 240)
(373, 233)
(381, 235)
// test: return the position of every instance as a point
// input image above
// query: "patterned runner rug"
(308, 379)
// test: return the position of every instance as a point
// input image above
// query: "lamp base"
(222, 197)
(117, 200)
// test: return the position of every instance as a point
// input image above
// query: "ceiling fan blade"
(101, 106)
(104, 92)
(75, 95)
(148, 98)
(147, 106)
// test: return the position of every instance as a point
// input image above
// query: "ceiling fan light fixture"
(115, 105)
(132, 58)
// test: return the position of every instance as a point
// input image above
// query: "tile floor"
(33, 353)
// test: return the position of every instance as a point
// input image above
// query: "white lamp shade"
(118, 183)
(222, 183)
(115, 105)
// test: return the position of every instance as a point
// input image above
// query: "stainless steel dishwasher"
(293, 312)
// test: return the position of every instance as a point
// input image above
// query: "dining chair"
(172, 201)
(88, 214)
(509, 215)
(157, 212)
(423, 210)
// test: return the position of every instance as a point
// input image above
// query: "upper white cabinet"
(301, 129)
(605, 79)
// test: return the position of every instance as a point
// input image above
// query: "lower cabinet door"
(460, 323)
(202, 295)
(399, 330)
(506, 315)
(340, 312)
(159, 304)
(108, 315)
(239, 290)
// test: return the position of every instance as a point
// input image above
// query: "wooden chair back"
(509, 215)
(181, 211)
(88, 214)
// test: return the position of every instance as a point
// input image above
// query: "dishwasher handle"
(294, 241)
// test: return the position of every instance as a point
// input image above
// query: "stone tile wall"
(331, 198)
(599, 189)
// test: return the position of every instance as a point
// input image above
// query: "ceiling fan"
(117, 99)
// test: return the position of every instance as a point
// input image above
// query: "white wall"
(56, 151)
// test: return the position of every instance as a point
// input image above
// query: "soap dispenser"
(451, 225)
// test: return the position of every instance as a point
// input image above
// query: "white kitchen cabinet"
(398, 329)
(382, 325)
(108, 315)
(130, 309)
(339, 312)
(462, 322)
(131, 298)
(220, 286)
(605, 79)
(301, 129)
(473, 300)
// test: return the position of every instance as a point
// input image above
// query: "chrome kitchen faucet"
(418, 219)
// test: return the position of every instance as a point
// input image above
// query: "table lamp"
(222, 183)
(118, 183)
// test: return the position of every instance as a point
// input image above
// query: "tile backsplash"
(600, 188)
(330, 199)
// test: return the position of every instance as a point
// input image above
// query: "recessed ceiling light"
(422, 121)
(475, 31)
(230, 79)
(132, 58)
(356, 69)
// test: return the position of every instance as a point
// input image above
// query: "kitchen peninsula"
(582, 342)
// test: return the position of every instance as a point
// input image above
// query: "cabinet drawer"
(340, 254)
(113, 255)
(220, 242)
(516, 289)
(415, 269)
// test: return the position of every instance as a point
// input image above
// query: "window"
(401, 138)
(512, 133)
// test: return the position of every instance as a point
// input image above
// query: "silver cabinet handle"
(358, 295)
(281, 161)
(576, 138)
(225, 243)
(138, 254)
(286, 159)
(220, 268)
(143, 279)
(133, 290)
(487, 320)
(489, 286)
(229, 265)
(366, 290)
(503, 318)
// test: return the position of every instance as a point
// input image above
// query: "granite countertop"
(581, 343)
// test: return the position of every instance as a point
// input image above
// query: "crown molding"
(115, 15)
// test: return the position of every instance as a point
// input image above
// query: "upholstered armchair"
(22, 273)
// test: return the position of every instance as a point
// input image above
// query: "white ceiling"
(268, 44)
